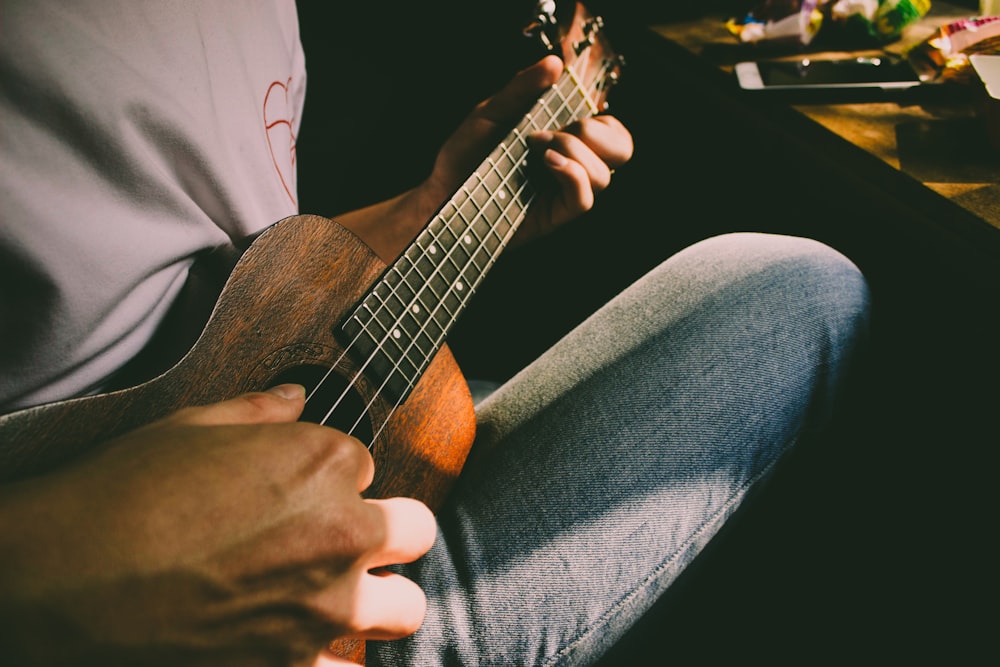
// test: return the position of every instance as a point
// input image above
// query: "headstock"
(586, 52)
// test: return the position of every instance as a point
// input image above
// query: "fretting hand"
(576, 162)
(580, 157)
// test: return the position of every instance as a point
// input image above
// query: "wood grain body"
(276, 312)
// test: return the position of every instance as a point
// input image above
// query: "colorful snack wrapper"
(799, 21)
(944, 56)
(880, 21)
(796, 21)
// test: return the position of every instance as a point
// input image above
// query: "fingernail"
(541, 137)
(555, 158)
(288, 391)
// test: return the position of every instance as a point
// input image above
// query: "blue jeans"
(602, 469)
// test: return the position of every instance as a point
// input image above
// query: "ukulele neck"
(403, 320)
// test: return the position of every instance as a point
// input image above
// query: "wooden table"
(939, 142)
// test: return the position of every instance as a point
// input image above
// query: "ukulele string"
(358, 374)
(398, 321)
(452, 317)
(519, 137)
(360, 371)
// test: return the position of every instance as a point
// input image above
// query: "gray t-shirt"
(133, 134)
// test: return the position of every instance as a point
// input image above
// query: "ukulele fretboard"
(402, 321)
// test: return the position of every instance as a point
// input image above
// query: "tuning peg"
(590, 29)
(593, 25)
(545, 20)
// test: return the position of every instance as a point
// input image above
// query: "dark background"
(875, 545)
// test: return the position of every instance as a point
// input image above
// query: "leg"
(604, 467)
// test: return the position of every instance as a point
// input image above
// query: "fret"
(564, 117)
(493, 182)
(531, 124)
(440, 233)
(517, 139)
(480, 195)
(419, 263)
(438, 285)
(395, 380)
(462, 254)
(452, 306)
(501, 159)
(467, 210)
(432, 253)
(547, 111)
(475, 263)
(459, 256)
(470, 275)
(402, 266)
(447, 242)
(489, 208)
(586, 105)
(555, 115)
(425, 343)
(483, 232)
(434, 288)
(483, 259)
(435, 329)
(390, 301)
(386, 321)
(403, 293)
(452, 228)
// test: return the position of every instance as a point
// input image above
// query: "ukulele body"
(275, 315)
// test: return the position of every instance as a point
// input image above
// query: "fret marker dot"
(432, 249)
(459, 286)
(416, 308)
(396, 333)
(467, 239)
(501, 194)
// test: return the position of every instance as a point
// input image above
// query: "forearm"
(33, 629)
(389, 226)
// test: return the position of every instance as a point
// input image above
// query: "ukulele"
(309, 302)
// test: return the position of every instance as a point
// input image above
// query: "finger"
(283, 403)
(606, 137)
(571, 147)
(410, 531)
(576, 193)
(388, 606)
(368, 601)
(521, 92)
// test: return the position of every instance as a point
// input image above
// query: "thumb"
(520, 92)
(283, 403)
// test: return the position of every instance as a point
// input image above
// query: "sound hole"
(350, 413)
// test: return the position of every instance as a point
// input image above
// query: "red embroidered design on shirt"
(280, 136)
